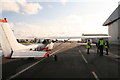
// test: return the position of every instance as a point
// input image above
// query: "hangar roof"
(113, 17)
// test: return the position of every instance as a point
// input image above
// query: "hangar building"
(113, 23)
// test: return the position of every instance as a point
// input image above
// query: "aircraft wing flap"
(26, 54)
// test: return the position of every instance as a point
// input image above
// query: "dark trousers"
(101, 49)
(88, 49)
(106, 51)
(98, 50)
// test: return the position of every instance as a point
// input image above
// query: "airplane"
(12, 49)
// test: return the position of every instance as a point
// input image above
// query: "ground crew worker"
(101, 45)
(88, 46)
(97, 46)
(106, 46)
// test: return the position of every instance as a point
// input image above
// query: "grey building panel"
(119, 30)
(94, 34)
(113, 17)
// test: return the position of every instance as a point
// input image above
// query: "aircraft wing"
(89, 37)
(75, 37)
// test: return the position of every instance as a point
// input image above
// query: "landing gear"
(48, 55)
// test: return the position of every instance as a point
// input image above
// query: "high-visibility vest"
(101, 42)
(88, 45)
(3, 20)
(106, 46)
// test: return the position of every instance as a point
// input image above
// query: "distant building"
(113, 23)
(93, 39)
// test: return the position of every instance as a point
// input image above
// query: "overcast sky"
(40, 18)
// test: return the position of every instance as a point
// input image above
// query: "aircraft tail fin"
(8, 40)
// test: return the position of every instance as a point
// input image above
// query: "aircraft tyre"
(48, 55)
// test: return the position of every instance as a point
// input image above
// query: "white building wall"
(119, 30)
(114, 32)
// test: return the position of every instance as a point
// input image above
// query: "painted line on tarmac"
(95, 75)
(83, 57)
(25, 69)
(80, 51)
(30, 66)
(57, 50)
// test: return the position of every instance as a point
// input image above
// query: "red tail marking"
(46, 48)
(3, 20)
(47, 53)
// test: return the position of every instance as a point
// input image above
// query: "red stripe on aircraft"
(4, 21)
(46, 48)
(47, 53)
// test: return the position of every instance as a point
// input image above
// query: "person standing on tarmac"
(106, 46)
(88, 46)
(97, 46)
(101, 44)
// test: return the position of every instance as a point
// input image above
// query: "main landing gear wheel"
(48, 55)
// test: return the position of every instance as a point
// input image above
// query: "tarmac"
(72, 63)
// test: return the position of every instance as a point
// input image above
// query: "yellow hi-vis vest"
(101, 42)
(106, 46)
(88, 46)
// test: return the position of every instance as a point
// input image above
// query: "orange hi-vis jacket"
(3, 20)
